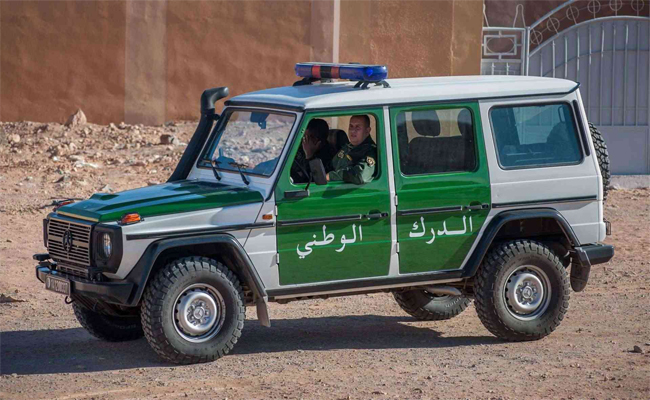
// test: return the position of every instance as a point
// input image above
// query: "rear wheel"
(603, 157)
(522, 291)
(108, 327)
(425, 306)
(193, 311)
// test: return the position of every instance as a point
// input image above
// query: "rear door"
(442, 184)
(340, 231)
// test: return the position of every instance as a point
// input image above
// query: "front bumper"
(110, 292)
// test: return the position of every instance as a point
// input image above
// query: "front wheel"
(425, 306)
(522, 291)
(193, 311)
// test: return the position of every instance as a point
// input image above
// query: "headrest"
(400, 121)
(341, 137)
(426, 122)
(465, 123)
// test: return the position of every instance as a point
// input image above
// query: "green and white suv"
(487, 188)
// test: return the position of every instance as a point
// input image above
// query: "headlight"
(106, 245)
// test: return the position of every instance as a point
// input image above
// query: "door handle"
(296, 194)
(476, 207)
(377, 215)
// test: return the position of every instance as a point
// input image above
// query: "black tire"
(425, 306)
(107, 327)
(525, 258)
(603, 157)
(162, 299)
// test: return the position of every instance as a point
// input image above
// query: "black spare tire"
(425, 306)
(603, 157)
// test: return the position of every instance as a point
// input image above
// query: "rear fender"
(501, 219)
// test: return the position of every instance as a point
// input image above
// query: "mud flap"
(263, 312)
(580, 270)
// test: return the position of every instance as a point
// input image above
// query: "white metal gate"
(609, 56)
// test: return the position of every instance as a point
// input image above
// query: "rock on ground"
(76, 119)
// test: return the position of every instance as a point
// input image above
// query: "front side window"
(250, 140)
(535, 136)
(345, 144)
(436, 141)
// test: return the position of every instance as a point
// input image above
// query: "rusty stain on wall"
(146, 62)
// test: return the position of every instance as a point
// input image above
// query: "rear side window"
(435, 141)
(535, 136)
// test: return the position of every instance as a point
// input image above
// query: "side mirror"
(318, 171)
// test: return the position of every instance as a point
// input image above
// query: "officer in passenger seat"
(356, 161)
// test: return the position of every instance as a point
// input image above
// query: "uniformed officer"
(314, 145)
(356, 161)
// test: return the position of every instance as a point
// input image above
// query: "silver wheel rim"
(527, 292)
(199, 312)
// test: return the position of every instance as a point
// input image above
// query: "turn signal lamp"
(353, 72)
(132, 218)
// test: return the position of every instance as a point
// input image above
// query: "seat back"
(422, 149)
(337, 139)
(432, 153)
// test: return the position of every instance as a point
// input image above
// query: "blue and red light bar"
(353, 72)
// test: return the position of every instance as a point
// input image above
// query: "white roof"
(409, 90)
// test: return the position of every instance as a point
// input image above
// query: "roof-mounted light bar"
(364, 74)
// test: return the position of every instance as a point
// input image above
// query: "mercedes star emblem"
(67, 241)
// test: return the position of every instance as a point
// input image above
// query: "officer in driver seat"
(314, 145)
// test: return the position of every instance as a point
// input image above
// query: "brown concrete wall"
(245, 45)
(466, 39)
(414, 38)
(145, 72)
(57, 56)
(148, 61)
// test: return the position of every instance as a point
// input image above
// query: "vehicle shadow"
(74, 350)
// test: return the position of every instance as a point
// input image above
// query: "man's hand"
(310, 145)
(328, 176)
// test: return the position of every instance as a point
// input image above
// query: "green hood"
(167, 198)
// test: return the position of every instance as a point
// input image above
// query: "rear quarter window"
(535, 135)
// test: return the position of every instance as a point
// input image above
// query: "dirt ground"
(359, 347)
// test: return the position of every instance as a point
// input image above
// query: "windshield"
(251, 139)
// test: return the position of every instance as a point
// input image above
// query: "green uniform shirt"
(355, 164)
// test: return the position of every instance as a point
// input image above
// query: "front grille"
(77, 256)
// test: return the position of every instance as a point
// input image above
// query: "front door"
(442, 184)
(340, 230)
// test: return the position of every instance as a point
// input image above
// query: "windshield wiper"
(213, 164)
(243, 177)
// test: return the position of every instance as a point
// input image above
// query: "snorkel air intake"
(208, 117)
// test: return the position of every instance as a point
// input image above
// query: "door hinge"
(275, 210)
(397, 247)
(395, 200)
(277, 258)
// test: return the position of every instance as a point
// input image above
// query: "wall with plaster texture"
(148, 61)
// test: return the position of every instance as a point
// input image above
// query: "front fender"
(141, 273)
